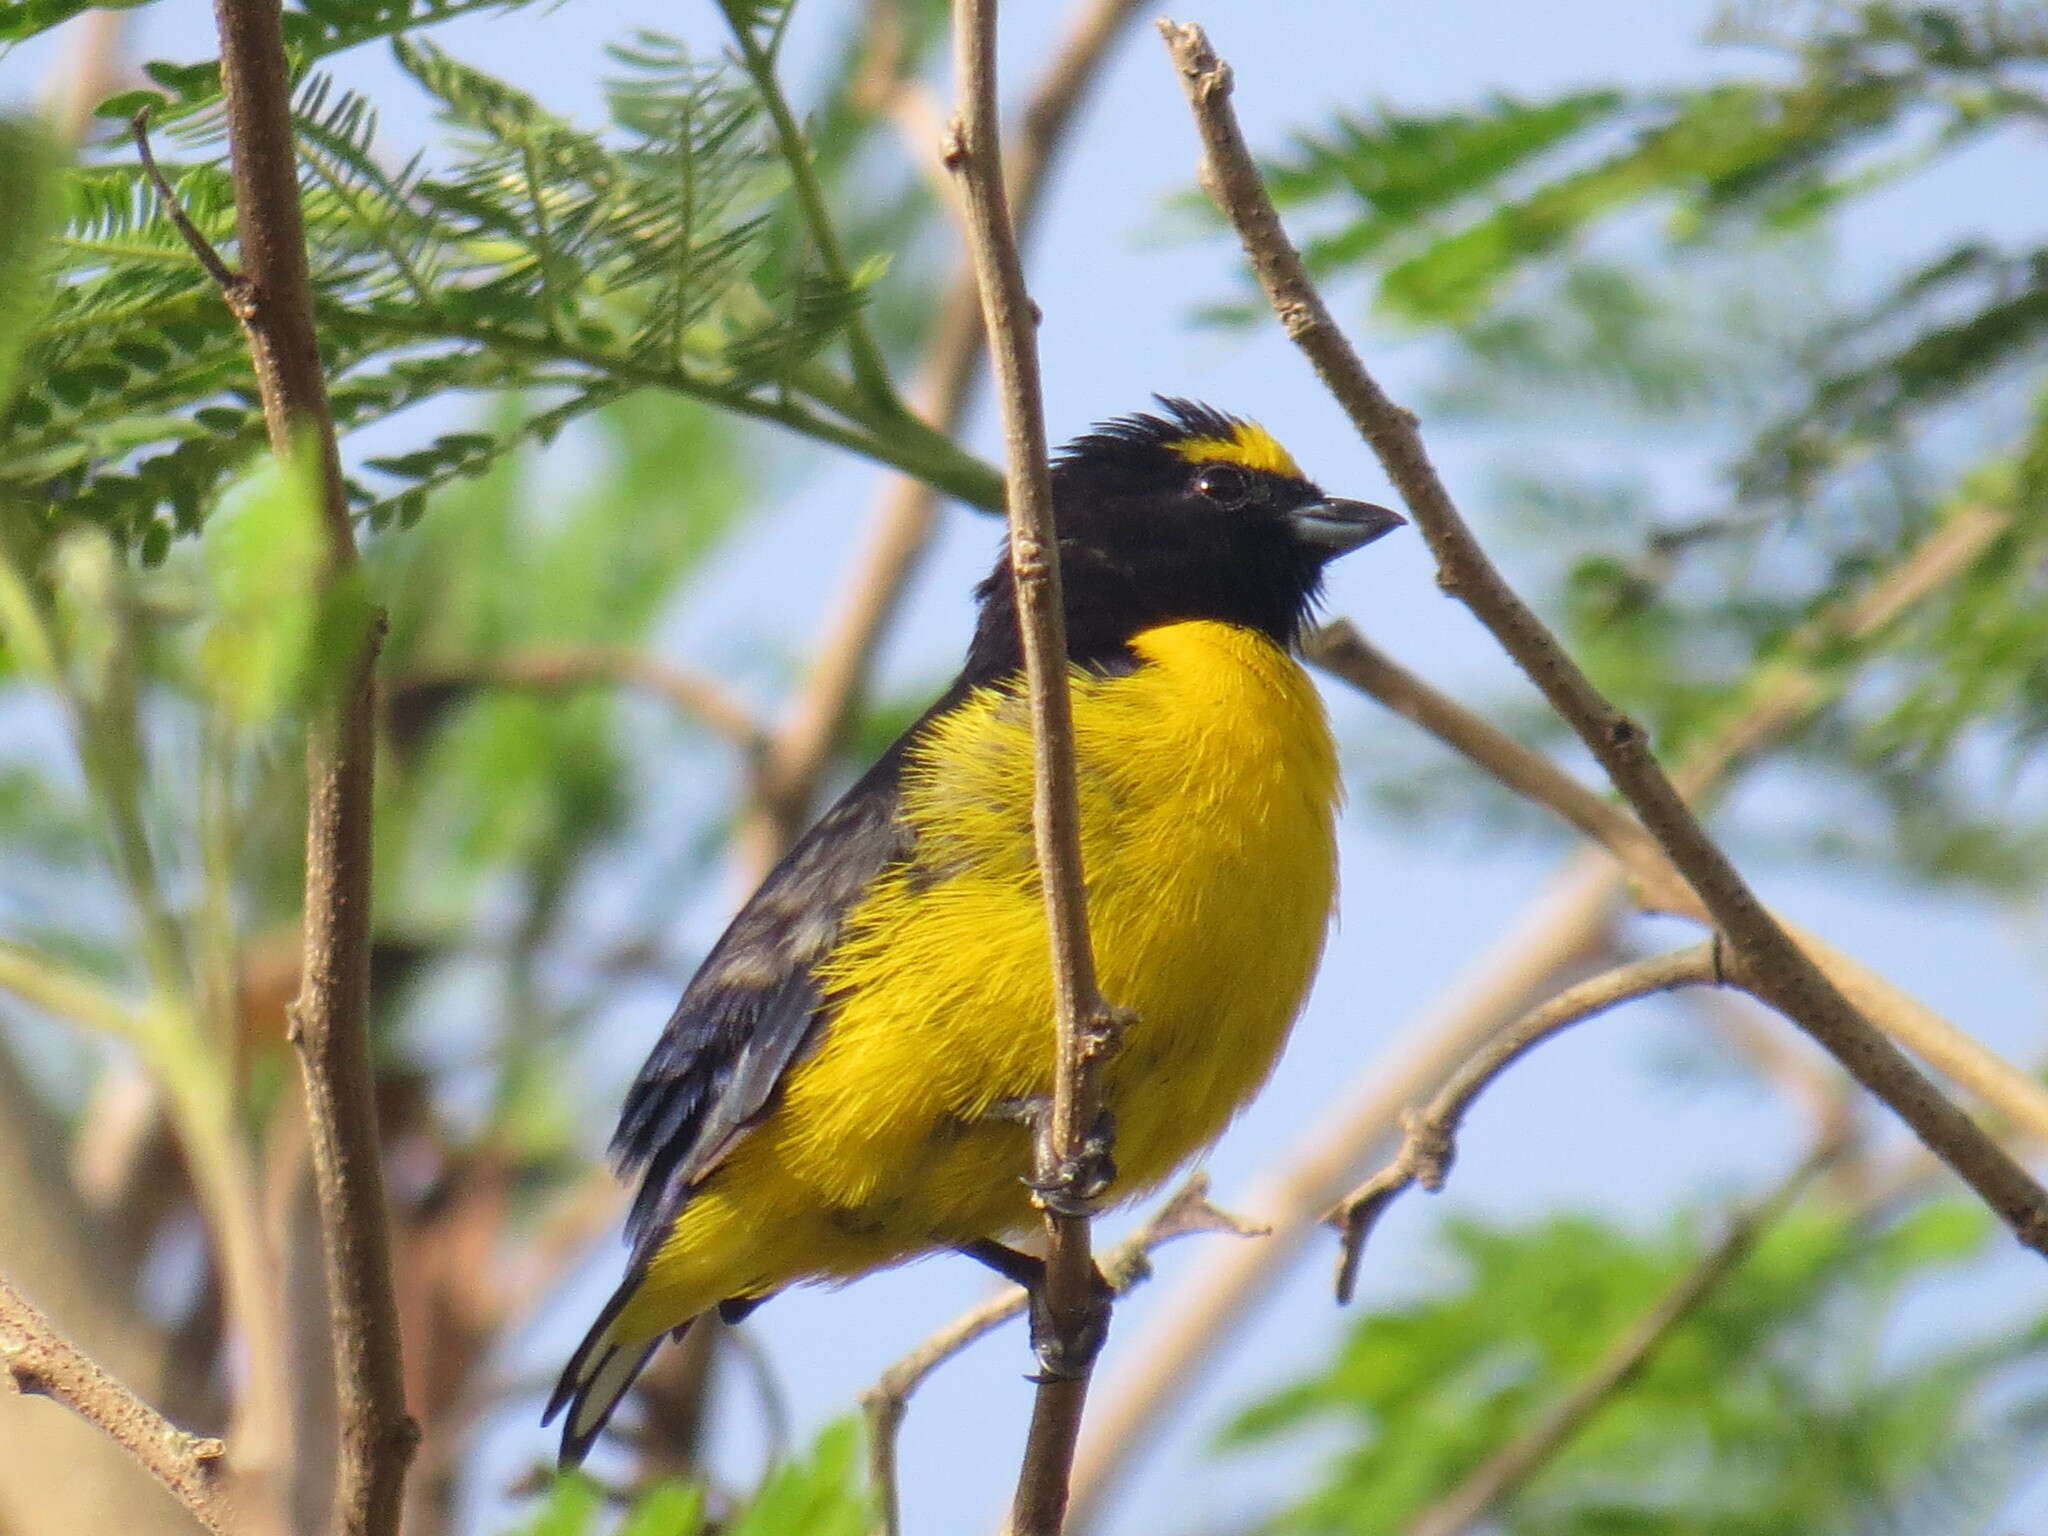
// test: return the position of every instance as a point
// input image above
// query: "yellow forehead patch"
(1249, 445)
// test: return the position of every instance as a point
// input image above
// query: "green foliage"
(28, 180)
(817, 1495)
(262, 558)
(1449, 208)
(25, 18)
(666, 253)
(1771, 1411)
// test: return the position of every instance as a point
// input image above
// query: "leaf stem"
(870, 370)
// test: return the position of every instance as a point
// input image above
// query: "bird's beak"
(1333, 527)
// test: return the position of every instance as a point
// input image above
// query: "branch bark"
(1086, 1027)
(40, 1362)
(330, 1021)
(1777, 970)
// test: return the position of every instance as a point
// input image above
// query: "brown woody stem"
(1085, 1025)
(330, 1021)
(39, 1361)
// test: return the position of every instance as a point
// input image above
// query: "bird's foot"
(1074, 1186)
(1066, 1348)
(1064, 1354)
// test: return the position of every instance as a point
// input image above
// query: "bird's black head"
(1190, 514)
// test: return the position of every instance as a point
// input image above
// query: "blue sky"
(1116, 300)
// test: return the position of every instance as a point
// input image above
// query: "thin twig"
(1086, 1026)
(1510, 1467)
(41, 1362)
(233, 286)
(833, 690)
(1429, 1142)
(1184, 1213)
(1775, 967)
(330, 1020)
(557, 667)
(1566, 926)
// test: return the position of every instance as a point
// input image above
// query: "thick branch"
(331, 1017)
(1510, 1467)
(40, 1362)
(1185, 1212)
(1430, 1143)
(1777, 970)
(1086, 1028)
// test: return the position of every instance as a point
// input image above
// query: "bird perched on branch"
(853, 1077)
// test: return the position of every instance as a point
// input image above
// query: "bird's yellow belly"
(1208, 790)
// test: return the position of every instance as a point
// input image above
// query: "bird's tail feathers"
(597, 1376)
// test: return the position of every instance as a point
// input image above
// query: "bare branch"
(1772, 964)
(1510, 1467)
(233, 287)
(330, 1021)
(1087, 1028)
(40, 1362)
(1185, 1212)
(1957, 1055)
(1429, 1144)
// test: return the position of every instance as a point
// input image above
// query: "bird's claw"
(1068, 1354)
(1075, 1185)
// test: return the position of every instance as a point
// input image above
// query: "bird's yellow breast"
(1208, 785)
(1208, 789)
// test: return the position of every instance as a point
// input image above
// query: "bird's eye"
(1225, 484)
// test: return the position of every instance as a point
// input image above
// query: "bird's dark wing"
(753, 1005)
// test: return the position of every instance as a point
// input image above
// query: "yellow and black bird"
(850, 1079)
